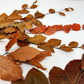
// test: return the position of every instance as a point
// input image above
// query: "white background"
(59, 58)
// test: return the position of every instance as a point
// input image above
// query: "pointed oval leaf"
(35, 76)
(24, 6)
(51, 10)
(62, 13)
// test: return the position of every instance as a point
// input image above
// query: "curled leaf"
(3, 16)
(73, 44)
(51, 10)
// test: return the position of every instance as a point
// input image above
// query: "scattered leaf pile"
(72, 74)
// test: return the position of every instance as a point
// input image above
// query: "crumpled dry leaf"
(9, 30)
(35, 76)
(51, 10)
(58, 76)
(37, 39)
(37, 64)
(24, 53)
(54, 42)
(3, 16)
(2, 36)
(24, 6)
(46, 46)
(11, 42)
(39, 15)
(73, 44)
(14, 17)
(8, 70)
(28, 25)
(66, 48)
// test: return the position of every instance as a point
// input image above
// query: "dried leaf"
(8, 70)
(54, 42)
(28, 25)
(34, 6)
(2, 36)
(35, 76)
(35, 2)
(71, 8)
(51, 10)
(66, 48)
(24, 11)
(24, 53)
(18, 82)
(39, 15)
(82, 46)
(67, 9)
(11, 42)
(73, 44)
(37, 64)
(16, 12)
(3, 16)
(37, 39)
(82, 62)
(29, 16)
(61, 13)
(58, 76)
(46, 46)
(42, 29)
(24, 6)
(9, 30)
(14, 17)
(73, 70)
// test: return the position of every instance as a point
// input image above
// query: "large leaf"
(35, 76)
(8, 70)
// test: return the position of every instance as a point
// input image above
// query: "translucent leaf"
(73, 44)
(51, 10)
(37, 39)
(58, 76)
(9, 71)
(61, 13)
(29, 16)
(35, 76)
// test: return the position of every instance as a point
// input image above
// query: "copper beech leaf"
(73, 44)
(58, 76)
(24, 53)
(11, 42)
(35, 76)
(82, 62)
(51, 11)
(3, 16)
(8, 70)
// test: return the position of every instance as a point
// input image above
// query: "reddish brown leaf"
(37, 64)
(66, 48)
(73, 70)
(18, 82)
(8, 70)
(71, 8)
(29, 16)
(67, 9)
(35, 76)
(11, 42)
(24, 53)
(24, 11)
(82, 46)
(82, 62)
(73, 44)
(34, 6)
(3, 16)
(24, 6)
(61, 13)
(58, 76)
(51, 10)
(54, 42)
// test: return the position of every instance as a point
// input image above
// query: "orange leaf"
(24, 11)
(11, 42)
(51, 11)
(8, 70)
(29, 16)
(33, 6)
(61, 13)
(24, 6)
(82, 46)
(3, 16)
(67, 9)
(2, 36)
(71, 8)
(24, 53)
(42, 29)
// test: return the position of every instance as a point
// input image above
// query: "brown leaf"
(39, 15)
(3, 16)
(29, 16)
(35, 76)
(24, 53)
(42, 55)
(37, 39)
(18, 82)
(66, 48)
(34, 6)
(61, 13)
(2, 36)
(35, 2)
(82, 46)
(24, 11)
(37, 64)
(16, 12)
(11, 42)
(24, 6)
(73, 44)
(51, 10)
(71, 8)
(54, 42)
(73, 70)
(8, 70)
(28, 25)
(82, 62)
(67, 9)
(9, 30)
(14, 17)
(58, 76)
(46, 46)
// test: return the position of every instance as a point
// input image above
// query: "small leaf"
(66, 48)
(34, 6)
(35, 76)
(3, 16)
(82, 46)
(71, 8)
(18, 82)
(2, 36)
(24, 6)
(29, 16)
(51, 10)
(73, 44)
(9, 71)
(67, 9)
(58, 76)
(35, 2)
(24, 11)
(61, 13)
